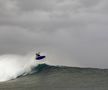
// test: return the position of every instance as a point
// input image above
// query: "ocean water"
(46, 77)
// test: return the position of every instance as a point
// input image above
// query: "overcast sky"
(71, 32)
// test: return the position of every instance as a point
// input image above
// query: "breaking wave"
(12, 66)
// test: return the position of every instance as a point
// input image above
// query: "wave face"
(12, 66)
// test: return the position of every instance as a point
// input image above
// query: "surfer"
(39, 57)
(38, 54)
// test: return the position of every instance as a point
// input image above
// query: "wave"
(48, 77)
(13, 66)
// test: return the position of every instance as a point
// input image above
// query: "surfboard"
(40, 57)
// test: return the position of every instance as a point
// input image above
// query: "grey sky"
(72, 32)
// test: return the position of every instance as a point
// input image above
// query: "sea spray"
(12, 66)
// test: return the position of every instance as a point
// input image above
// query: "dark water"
(60, 78)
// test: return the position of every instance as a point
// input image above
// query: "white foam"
(12, 66)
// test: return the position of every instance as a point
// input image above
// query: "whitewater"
(12, 66)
